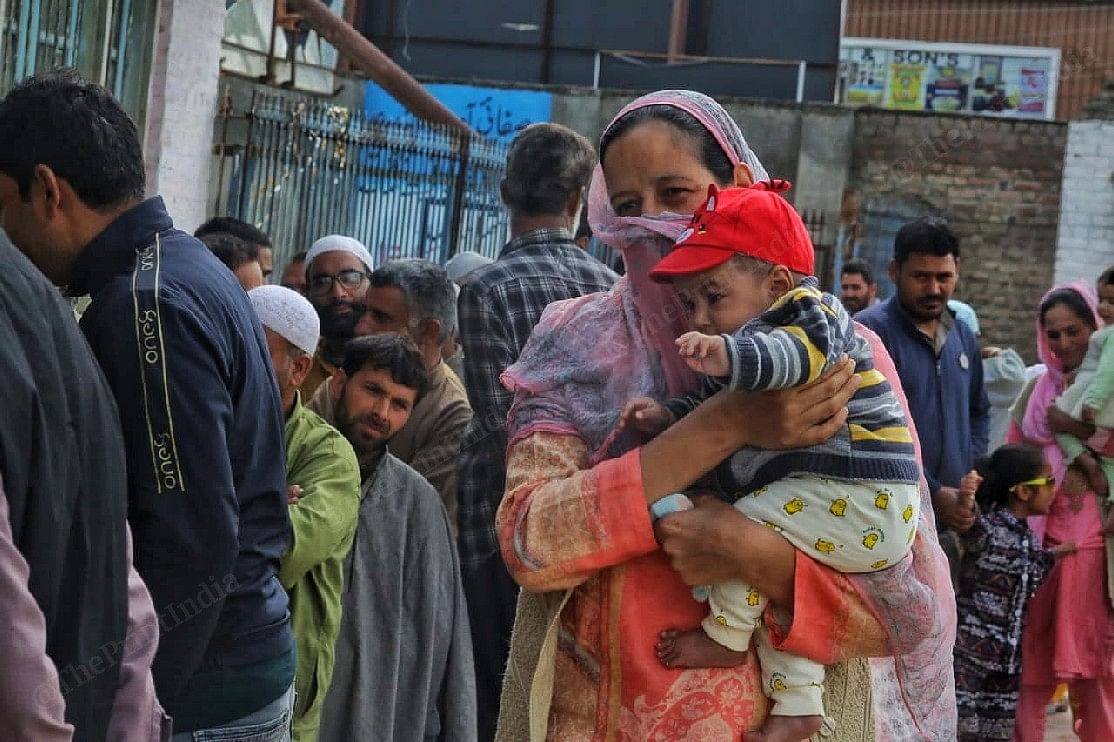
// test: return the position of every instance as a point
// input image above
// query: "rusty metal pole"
(678, 29)
(378, 66)
(456, 215)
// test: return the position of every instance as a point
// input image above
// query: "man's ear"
(894, 270)
(50, 186)
(573, 204)
(300, 369)
(429, 333)
(336, 384)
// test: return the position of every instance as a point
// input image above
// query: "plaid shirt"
(498, 309)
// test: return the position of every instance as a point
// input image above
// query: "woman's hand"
(1061, 422)
(1062, 550)
(793, 418)
(1108, 523)
(797, 417)
(697, 544)
(715, 542)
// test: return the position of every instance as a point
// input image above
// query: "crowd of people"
(529, 498)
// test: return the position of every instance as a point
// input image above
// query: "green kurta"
(323, 464)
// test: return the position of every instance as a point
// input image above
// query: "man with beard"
(324, 480)
(857, 289)
(337, 270)
(415, 298)
(939, 362)
(404, 655)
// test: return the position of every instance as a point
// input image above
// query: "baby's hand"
(705, 354)
(1088, 415)
(646, 416)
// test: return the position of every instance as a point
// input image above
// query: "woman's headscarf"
(1050, 386)
(589, 356)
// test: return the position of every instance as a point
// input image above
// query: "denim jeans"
(269, 724)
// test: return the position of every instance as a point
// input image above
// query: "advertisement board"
(1011, 81)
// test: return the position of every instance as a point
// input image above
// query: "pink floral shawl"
(588, 356)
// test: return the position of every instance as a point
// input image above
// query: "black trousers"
(492, 597)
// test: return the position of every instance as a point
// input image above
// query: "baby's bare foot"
(695, 649)
(787, 729)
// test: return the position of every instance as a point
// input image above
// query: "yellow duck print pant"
(849, 526)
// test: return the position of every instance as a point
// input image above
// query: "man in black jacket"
(79, 628)
(188, 364)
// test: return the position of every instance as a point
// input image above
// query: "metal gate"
(107, 41)
(310, 168)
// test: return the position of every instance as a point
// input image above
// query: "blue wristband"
(670, 504)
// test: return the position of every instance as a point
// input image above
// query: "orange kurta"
(562, 525)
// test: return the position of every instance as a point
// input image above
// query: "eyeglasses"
(1038, 482)
(349, 280)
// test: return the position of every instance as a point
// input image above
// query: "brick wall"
(182, 103)
(997, 181)
(1086, 238)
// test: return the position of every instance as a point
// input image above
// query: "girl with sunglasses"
(1004, 563)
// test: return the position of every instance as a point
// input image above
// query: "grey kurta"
(404, 654)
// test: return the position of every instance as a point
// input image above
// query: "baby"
(1090, 398)
(743, 270)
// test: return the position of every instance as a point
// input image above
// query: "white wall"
(182, 104)
(1085, 241)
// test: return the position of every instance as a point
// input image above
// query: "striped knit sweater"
(792, 343)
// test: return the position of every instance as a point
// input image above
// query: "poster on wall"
(906, 87)
(919, 76)
(865, 77)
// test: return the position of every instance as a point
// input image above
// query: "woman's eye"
(673, 194)
(627, 208)
(713, 299)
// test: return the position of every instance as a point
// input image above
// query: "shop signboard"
(1012, 81)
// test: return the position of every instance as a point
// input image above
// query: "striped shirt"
(793, 343)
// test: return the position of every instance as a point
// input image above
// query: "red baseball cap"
(752, 221)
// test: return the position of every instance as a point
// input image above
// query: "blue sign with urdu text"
(496, 113)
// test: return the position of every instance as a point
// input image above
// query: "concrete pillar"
(1085, 239)
(182, 104)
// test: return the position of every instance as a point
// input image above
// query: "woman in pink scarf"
(574, 524)
(1070, 623)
